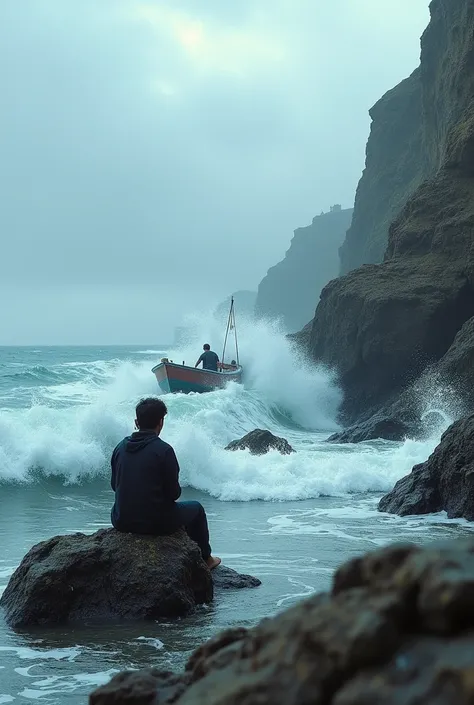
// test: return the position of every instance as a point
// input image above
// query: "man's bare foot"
(213, 562)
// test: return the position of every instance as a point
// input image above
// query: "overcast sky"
(157, 155)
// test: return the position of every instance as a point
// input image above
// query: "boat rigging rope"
(231, 326)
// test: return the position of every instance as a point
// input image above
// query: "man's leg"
(193, 517)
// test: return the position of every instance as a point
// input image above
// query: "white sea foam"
(72, 426)
(25, 652)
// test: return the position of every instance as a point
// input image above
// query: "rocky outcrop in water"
(110, 576)
(380, 425)
(397, 628)
(290, 291)
(445, 482)
(259, 442)
(381, 326)
(224, 578)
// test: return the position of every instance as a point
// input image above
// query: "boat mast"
(231, 326)
(235, 336)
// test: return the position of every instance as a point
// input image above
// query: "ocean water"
(289, 520)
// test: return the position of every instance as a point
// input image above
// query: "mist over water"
(64, 410)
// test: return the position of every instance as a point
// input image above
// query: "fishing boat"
(173, 377)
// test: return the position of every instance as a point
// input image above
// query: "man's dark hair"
(207, 346)
(149, 413)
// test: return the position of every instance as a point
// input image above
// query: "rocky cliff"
(291, 289)
(394, 168)
(381, 326)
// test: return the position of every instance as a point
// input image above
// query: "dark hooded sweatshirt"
(145, 481)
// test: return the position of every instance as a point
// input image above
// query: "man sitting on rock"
(146, 484)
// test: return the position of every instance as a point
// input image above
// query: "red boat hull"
(180, 378)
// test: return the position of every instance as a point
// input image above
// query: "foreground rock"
(444, 483)
(111, 576)
(259, 442)
(396, 629)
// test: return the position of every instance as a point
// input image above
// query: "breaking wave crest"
(66, 425)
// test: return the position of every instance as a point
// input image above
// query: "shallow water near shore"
(289, 520)
(293, 547)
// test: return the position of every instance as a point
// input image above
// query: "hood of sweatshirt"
(139, 440)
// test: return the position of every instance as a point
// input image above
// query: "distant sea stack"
(290, 291)
(383, 325)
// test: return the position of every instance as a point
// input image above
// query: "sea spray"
(308, 395)
(67, 428)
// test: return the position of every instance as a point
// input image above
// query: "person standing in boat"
(209, 359)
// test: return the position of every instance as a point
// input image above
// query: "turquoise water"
(290, 520)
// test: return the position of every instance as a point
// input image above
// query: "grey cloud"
(128, 167)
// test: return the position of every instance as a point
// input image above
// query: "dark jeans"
(193, 517)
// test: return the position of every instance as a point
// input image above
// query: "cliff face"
(291, 289)
(382, 325)
(394, 169)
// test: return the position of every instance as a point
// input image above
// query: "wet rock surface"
(141, 687)
(445, 482)
(397, 627)
(225, 578)
(111, 576)
(381, 425)
(259, 442)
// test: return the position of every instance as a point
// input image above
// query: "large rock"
(110, 576)
(380, 425)
(421, 411)
(224, 578)
(259, 442)
(150, 686)
(290, 290)
(445, 390)
(445, 482)
(382, 325)
(396, 629)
